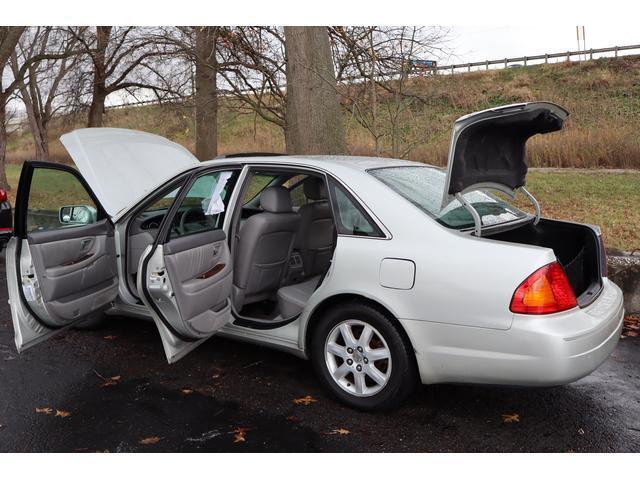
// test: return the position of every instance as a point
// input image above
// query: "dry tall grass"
(603, 97)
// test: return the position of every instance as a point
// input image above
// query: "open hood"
(122, 166)
(488, 147)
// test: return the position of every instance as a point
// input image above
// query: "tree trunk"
(313, 118)
(206, 99)
(96, 110)
(97, 107)
(3, 143)
(36, 125)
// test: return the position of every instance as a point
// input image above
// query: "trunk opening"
(577, 248)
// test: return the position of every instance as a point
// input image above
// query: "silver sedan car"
(382, 272)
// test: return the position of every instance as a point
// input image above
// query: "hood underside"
(123, 166)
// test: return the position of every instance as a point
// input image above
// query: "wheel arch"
(340, 299)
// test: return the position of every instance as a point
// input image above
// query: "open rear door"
(61, 261)
(186, 276)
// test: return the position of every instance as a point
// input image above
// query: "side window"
(151, 217)
(352, 220)
(204, 207)
(298, 198)
(57, 200)
(257, 183)
(164, 202)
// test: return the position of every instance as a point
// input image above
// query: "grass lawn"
(610, 200)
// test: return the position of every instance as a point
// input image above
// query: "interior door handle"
(84, 244)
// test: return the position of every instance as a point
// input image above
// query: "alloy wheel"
(358, 358)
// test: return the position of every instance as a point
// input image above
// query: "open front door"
(61, 262)
(186, 276)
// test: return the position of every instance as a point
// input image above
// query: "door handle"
(84, 244)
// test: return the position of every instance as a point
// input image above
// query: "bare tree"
(314, 123)
(43, 89)
(122, 59)
(195, 63)
(9, 37)
(374, 67)
(253, 70)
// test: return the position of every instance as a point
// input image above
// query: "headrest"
(314, 189)
(276, 200)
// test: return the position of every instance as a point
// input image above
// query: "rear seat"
(293, 298)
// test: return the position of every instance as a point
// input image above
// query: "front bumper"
(537, 350)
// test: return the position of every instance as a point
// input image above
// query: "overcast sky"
(474, 44)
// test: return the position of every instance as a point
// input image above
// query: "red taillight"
(3, 195)
(547, 290)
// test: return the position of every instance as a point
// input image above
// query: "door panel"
(59, 270)
(187, 280)
(76, 275)
(201, 277)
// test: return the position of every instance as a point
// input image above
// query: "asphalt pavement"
(112, 390)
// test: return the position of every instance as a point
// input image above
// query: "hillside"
(603, 97)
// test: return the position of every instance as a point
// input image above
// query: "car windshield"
(423, 186)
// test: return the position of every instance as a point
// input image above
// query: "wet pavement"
(111, 390)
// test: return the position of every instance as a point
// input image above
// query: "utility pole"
(580, 36)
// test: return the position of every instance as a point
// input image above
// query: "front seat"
(263, 248)
(316, 232)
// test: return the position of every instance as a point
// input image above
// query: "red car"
(6, 219)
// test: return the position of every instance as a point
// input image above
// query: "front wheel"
(360, 354)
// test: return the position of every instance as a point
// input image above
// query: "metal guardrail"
(546, 57)
(452, 68)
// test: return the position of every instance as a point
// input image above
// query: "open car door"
(186, 276)
(61, 266)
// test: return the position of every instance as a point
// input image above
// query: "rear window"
(423, 186)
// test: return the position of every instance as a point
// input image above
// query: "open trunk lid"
(488, 147)
(122, 166)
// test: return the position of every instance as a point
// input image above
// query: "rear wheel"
(361, 355)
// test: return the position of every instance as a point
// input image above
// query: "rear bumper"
(536, 350)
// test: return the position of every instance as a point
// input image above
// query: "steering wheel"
(185, 220)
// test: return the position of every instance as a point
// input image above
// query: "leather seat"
(263, 248)
(315, 236)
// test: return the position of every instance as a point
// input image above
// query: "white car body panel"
(122, 166)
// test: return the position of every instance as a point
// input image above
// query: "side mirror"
(77, 215)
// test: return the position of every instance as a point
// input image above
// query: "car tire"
(94, 321)
(328, 348)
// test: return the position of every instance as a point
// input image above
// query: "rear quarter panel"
(459, 279)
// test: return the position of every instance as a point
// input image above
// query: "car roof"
(332, 163)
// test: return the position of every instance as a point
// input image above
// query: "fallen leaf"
(308, 400)
(110, 337)
(187, 391)
(510, 418)
(292, 418)
(239, 434)
(150, 440)
(631, 327)
(62, 413)
(111, 381)
(339, 431)
(45, 410)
